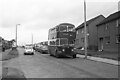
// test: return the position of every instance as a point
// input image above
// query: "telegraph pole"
(16, 34)
(85, 30)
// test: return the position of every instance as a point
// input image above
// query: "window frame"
(83, 40)
(82, 30)
(117, 23)
(106, 26)
(77, 41)
(77, 32)
(107, 38)
(118, 39)
(62, 26)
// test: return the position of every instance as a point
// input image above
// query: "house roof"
(88, 22)
(111, 17)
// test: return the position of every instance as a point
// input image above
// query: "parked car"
(37, 48)
(29, 50)
(44, 49)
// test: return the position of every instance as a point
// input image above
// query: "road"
(45, 66)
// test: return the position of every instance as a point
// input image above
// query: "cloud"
(43, 11)
(21, 11)
(37, 16)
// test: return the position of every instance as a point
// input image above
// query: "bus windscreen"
(65, 28)
(62, 41)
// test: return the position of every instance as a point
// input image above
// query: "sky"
(36, 17)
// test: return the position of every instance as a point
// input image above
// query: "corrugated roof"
(87, 22)
(111, 17)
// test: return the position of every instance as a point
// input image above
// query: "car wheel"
(3, 49)
(51, 55)
(32, 53)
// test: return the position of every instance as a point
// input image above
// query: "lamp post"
(16, 33)
(32, 39)
(85, 29)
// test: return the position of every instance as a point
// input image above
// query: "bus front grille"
(67, 50)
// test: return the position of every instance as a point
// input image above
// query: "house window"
(118, 38)
(117, 24)
(82, 39)
(82, 30)
(106, 27)
(107, 39)
(77, 41)
(77, 31)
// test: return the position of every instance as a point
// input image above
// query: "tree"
(13, 40)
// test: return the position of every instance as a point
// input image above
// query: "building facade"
(91, 33)
(0, 44)
(5, 44)
(108, 33)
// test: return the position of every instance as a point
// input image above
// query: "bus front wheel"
(56, 55)
(74, 56)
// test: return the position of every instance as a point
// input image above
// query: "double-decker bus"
(61, 40)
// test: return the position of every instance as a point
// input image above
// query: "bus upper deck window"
(70, 29)
(63, 28)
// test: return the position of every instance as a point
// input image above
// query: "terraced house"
(109, 33)
(0, 44)
(91, 31)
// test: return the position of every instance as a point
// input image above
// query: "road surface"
(45, 66)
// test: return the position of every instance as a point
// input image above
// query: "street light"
(16, 34)
(32, 39)
(85, 29)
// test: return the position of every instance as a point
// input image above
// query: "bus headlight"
(63, 50)
(72, 49)
(75, 48)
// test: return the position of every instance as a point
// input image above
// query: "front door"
(101, 44)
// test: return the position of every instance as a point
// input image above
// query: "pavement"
(105, 60)
(9, 72)
(6, 56)
(106, 57)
